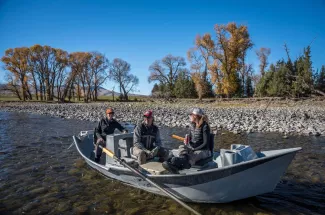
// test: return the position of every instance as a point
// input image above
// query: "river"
(40, 175)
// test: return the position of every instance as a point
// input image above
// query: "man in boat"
(146, 140)
(105, 127)
(196, 147)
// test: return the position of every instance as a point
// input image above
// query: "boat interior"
(121, 144)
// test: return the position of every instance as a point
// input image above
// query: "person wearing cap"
(146, 140)
(198, 146)
(105, 127)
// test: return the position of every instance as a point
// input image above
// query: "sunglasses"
(111, 113)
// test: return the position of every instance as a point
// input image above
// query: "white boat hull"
(217, 185)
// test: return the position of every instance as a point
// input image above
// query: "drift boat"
(229, 175)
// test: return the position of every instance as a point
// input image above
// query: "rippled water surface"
(38, 175)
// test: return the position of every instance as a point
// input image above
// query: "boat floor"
(200, 166)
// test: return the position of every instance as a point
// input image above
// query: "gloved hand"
(100, 141)
(154, 152)
(184, 150)
(189, 148)
(148, 153)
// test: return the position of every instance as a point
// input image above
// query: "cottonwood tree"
(16, 62)
(232, 42)
(69, 81)
(43, 59)
(12, 84)
(97, 65)
(79, 63)
(119, 71)
(60, 70)
(200, 57)
(245, 71)
(263, 54)
(165, 71)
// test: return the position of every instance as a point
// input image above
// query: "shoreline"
(287, 117)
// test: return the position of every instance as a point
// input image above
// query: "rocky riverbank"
(301, 119)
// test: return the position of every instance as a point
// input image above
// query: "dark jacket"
(146, 137)
(106, 127)
(200, 137)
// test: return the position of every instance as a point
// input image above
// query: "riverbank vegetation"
(217, 67)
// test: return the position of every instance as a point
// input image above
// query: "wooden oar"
(145, 177)
(178, 137)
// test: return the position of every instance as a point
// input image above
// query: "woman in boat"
(146, 140)
(197, 145)
(105, 127)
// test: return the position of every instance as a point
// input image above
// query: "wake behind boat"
(229, 175)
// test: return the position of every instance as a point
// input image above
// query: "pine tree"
(248, 87)
(184, 86)
(155, 89)
(320, 84)
(303, 83)
(240, 88)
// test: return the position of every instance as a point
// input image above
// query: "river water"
(39, 175)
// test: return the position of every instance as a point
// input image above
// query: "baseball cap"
(148, 114)
(109, 110)
(197, 111)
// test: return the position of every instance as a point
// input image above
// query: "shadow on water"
(39, 175)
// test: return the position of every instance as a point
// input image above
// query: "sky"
(141, 32)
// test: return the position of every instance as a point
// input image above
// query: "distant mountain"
(4, 91)
(101, 92)
(104, 92)
(2, 86)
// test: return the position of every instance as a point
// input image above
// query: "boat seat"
(124, 147)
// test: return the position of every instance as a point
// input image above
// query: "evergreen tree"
(263, 85)
(320, 83)
(240, 88)
(303, 83)
(184, 86)
(155, 89)
(289, 78)
(249, 87)
(280, 85)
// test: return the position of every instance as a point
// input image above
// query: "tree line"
(55, 73)
(218, 67)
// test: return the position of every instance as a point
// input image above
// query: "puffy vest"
(197, 136)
